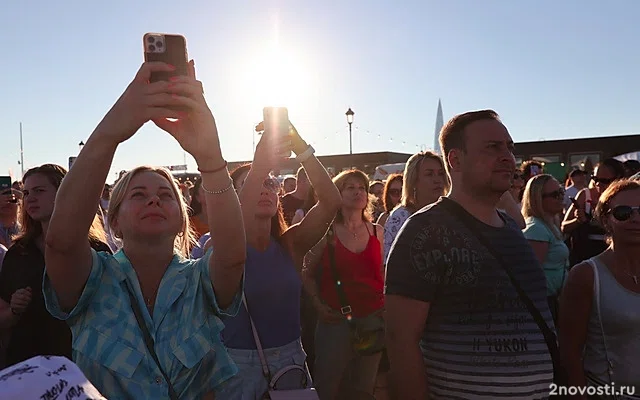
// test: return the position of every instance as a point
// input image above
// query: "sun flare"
(277, 77)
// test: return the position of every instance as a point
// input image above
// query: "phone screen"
(276, 119)
(5, 183)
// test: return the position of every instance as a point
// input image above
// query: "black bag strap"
(148, 341)
(342, 296)
(549, 336)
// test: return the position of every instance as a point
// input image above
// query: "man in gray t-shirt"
(456, 325)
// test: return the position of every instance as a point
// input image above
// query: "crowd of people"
(463, 277)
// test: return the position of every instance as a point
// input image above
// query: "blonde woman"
(146, 321)
(425, 180)
(542, 206)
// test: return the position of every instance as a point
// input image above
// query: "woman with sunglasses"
(425, 180)
(586, 236)
(391, 195)
(273, 285)
(542, 205)
(599, 320)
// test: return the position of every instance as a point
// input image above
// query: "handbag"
(148, 341)
(367, 333)
(560, 377)
(273, 393)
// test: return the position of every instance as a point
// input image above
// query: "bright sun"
(276, 77)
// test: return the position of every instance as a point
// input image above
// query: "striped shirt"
(479, 340)
(108, 344)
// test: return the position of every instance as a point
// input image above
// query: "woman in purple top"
(272, 271)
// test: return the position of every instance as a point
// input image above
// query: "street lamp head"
(349, 115)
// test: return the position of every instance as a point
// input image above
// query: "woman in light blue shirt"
(179, 301)
(542, 206)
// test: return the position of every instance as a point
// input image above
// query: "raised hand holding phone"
(195, 128)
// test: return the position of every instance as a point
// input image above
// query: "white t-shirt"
(396, 219)
(46, 377)
(3, 250)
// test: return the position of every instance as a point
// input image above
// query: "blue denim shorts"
(250, 382)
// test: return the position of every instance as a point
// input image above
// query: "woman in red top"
(339, 371)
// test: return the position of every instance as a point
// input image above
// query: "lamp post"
(349, 115)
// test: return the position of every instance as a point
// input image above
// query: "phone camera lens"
(159, 44)
(152, 48)
(151, 39)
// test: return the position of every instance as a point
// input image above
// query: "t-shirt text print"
(479, 340)
(46, 378)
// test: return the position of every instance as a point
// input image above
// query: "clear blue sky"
(552, 69)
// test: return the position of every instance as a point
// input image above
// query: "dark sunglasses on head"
(604, 181)
(556, 194)
(395, 192)
(623, 213)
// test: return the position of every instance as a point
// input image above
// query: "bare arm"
(226, 265)
(575, 215)
(405, 319)
(540, 249)
(67, 251)
(315, 224)
(7, 318)
(511, 207)
(575, 310)
(310, 271)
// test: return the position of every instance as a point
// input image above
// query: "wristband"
(306, 154)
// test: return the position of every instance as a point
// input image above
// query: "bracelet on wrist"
(226, 189)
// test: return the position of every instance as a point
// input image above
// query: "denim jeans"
(338, 370)
(250, 382)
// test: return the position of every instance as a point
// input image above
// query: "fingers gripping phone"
(276, 120)
(167, 48)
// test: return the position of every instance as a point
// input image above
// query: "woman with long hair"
(23, 315)
(587, 237)
(391, 195)
(146, 321)
(542, 205)
(425, 180)
(273, 285)
(599, 320)
(198, 210)
(356, 254)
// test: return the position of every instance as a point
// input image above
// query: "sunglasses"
(604, 181)
(269, 183)
(556, 194)
(395, 192)
(623, 213)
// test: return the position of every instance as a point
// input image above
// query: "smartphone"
(276, 120)
(170, 49)
(5, 183)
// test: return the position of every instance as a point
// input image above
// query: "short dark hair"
(452, 134)
(576, 172)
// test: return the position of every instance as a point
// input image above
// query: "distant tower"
(439, 125)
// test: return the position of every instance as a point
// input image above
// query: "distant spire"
(439, 125)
